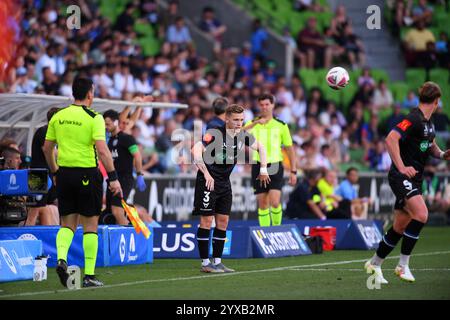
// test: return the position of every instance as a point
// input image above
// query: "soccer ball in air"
(337, 78)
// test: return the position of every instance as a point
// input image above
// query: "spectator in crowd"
(211, 25)
(348, 190)
(331, 204)
(308, 5)
(442, 50)
(11, 157)
(259, 40)
(312, 44)
(382, 96)
(304, 199)
(378, 157)
(422, 12)
(366, 78)
(415, 44)
(353, 47)
(370, 132)
(178, 33)
(125, 20)
(168, 17)
(411, 100)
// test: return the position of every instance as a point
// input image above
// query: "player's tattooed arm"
(436, 152)
(197, 152)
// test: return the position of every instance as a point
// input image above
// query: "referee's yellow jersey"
(272, 135)
(75, 130)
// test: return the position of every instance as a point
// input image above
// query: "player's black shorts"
(126, 182)
(79, 190)
(208, 203)
(403, 188)
(276, 177)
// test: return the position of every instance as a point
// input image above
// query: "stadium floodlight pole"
(28, 111)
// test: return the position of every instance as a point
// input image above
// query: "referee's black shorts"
(79, 190)
(126, 183)
(276, 174)
(208, 203)
(403, 188)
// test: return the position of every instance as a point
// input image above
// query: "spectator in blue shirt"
(259, 40)
(348, 190)
(178, 33)
(411, 100)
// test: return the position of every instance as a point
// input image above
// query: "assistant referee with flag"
(79, 133)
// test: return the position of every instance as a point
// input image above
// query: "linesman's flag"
(137, 223)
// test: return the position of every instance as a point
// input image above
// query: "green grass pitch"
(331, 275)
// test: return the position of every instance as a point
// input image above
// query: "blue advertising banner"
(182, 243)
(48, 237)
(17, 259)
(128, 247)
(362, 234)
(13, 182)
(279, 241)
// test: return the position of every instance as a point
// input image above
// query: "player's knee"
(206, 222)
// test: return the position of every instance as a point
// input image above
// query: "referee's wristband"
(112, 176)
(263, 170)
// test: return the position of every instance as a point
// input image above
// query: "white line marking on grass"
(359, 270)
(300, 267)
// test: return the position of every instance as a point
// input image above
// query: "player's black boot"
(61, 270)
(91, 281)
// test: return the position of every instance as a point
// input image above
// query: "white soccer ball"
(337, 78)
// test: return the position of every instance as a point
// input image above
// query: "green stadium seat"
(144, 29)
(415, 78)
(399, 91)
(150, 45)
(380, 74)
(308, 77)
(440, 76)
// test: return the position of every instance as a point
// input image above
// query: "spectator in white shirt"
(382, 97)
(142, 84)
(46, 60)
(123, 80)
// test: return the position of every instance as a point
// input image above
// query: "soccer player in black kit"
(215, 158)
(410, 143)
(125, 152)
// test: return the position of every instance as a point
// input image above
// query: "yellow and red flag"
(137, 223)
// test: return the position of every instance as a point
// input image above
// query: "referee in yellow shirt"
(79, 133)
(272, 133)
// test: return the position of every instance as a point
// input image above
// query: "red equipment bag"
(328, 235)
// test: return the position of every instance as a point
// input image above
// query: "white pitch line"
(359, 270)
(125, 284)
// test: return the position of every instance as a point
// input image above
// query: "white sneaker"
(370, 268)
(404, 273)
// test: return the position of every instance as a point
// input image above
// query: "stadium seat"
(380, 74)
(440, 76)
(399, 91)
(415, 78)
(309, 78)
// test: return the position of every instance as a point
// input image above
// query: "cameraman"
(12, 209)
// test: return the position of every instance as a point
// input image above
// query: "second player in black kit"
(410, 144)
(215, 158)
(125, 153)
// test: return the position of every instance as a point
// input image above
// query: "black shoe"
(61, 270)
(91, 281)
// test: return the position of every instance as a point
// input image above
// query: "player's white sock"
(376, 260)
(205, 262)
(404, 260)
(217, 260)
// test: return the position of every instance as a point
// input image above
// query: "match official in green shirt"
(79, 134)
(273, 134)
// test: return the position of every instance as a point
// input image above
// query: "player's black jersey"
(418, 135)
(222, 151)
(122, 147)
(37, 155)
